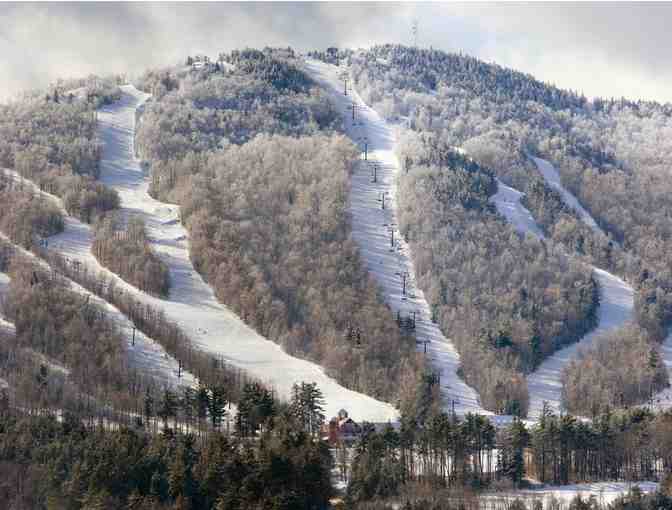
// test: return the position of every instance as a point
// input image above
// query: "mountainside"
(408, 278)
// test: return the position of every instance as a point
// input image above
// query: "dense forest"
(47, 463)
(52, 141)
(609, 153)
(452, 457)
(30, 218)
(252, 155)
(507, 302)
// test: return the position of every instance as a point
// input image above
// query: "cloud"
(601, 49)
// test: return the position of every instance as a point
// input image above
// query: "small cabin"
(341, 428)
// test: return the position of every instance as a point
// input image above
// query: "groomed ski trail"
(143, 352)
(192, 303)
(507, 202)
(616, 298)
(616, 308)
(663, 399)
(371, 231)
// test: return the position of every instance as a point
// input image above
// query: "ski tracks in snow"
(192, 303)
(372, 228)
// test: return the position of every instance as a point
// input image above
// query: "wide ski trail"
(192, 303)
(372, 228)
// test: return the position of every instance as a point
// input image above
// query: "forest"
(53, 142)
(610, 154)
(123, 247)
(506, 302)
(48, 463)
(30, 218)
(273, 240)
(454, 459)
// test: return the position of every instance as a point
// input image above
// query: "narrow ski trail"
(507, 202)
(371, 225)
(616, 308)
(143, 352)
(192, 303)
(616, 298)
(4, 287)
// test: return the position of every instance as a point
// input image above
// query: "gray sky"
(598, 48)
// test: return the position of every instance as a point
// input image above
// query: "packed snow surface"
(4, 285)
(372, 228)
(144, 353)
(616, 305)
(507, 202)
(192, 303)
(616, 308)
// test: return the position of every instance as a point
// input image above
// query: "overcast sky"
(601, 49)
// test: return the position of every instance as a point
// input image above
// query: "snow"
(192, 303)
(4, 285)
(371, 230)
(616, 308)
(144, 353)
(507, 202)
(605, 492)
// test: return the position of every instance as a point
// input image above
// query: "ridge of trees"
(30, 218)
(506, 302)
(125, 250)
(54, 144)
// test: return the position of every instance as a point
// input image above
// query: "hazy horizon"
(600, 49)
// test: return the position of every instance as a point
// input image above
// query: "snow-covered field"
(371, 225)
(604, 492)
(192, 303)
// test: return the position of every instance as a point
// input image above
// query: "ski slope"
(371, 225)
(371, 231)
(507, 202)
(616, 308)
(192, 303)
(143, 352)
(4, 285)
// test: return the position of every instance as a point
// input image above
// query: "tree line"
(461, 455)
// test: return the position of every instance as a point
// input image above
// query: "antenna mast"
(414, 31)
